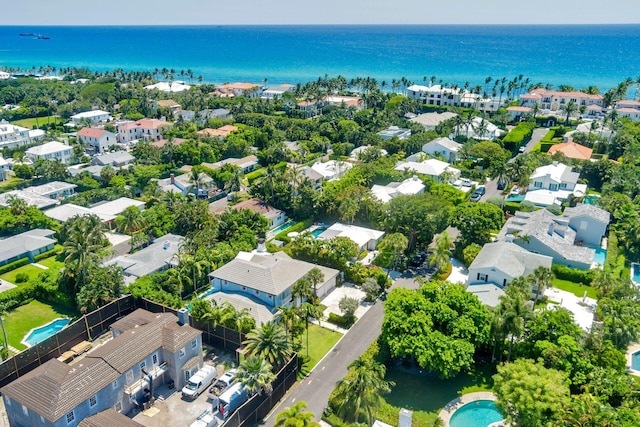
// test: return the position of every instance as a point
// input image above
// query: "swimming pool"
(635, 361)
(480, 413)
(37, 335)
(283, 227)
(591, 200)
(318, 231)
(635, 272)
(600, 256)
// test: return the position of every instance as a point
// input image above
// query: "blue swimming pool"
(480, 413)
(635, 361)
(591, 200)
(43, 332)
(600, 256)
(318, 231)
(635, 272)
(283, 227)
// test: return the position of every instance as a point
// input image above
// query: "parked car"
(199, 382)
(226, 380)
(515, 190)
(418, 259)
(476, 197)
(231, 399)
(501, 185)
(481, 190)
(522, 149)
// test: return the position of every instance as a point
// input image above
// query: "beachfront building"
(12, 136)
(332, 169)
(276, 92)
(146, 129)
(170, 87)
(229, 90)
(395, 132)
(435, 169)
(431, 120)
(99, 139)
(26, 245)
(408, 187)
(556, 100)
(53, 150)
(221, 132)
(479, 128)
(452, 97)
(443, 147)
(111, 376)
(365, 238)
(553, 184)
(629, 113)
(275, 217)
(262, 281)
(94, 116)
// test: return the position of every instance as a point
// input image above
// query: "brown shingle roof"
(109, 418)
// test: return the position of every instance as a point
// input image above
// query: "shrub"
(519, 135)
(545, 146)
(22, 277)
(371, 288)
(573, 274)
(298, 227)
(252, 176)
(527, 206)
(48, 254)
(445, 273)
(13, 265)
(470, 253)
(341, 321)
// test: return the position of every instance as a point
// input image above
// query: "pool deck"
(451, 407)
(634, 348)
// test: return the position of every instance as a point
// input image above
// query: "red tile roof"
(572, 150)
(146, 124)
(91, 132)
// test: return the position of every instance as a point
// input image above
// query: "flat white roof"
(116, 207)
(360, 235)
(90, 114)
(48, 148)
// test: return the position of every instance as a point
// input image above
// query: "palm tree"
(442, 253)
(4, 353)
(515, 312)
(315, 276)
(295, 416)
(269, 342)
(287, 317)
(83, 245)
(255, 374)
(542, 278)
(130, 221)
(17, 206)
(536, 109)
(569, 108)
(302, 290)
(360, 390)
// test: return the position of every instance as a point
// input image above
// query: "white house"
(96, 116)
(630, 113)
(26, 245)
(553, 184)
(175, 86)
(275, 92)
(395, 131)
(556, 100)
(332, 169)
(185, 184)
(444, 147)
(589, 221)
(229, 90)
(12, 136)
(53, 150)
(275, 217)
(41, 196)
(146, 129)
(365, 238)
(115, 159)
(408, 187)
(100, 139)
(479, 129)
(517, 112)
(453, 97)
(159, 256)
(355, 153)
(431, 120)
(433, 168)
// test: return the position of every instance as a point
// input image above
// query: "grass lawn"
(29, 269)
(31, 123)
(321, 340)
(20, 321)
(426, 395)
(52, 263)
(575, 288)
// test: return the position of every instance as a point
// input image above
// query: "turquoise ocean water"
(580, 55)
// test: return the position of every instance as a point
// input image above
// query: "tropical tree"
(296, 416)
(302, 290)
(4, 352)
(315, 276)
(514, 311)
(256, 374)
(541, 279)
(269, 342)
(396, 243)
(569, 109)
(130, 221)
(442, 252)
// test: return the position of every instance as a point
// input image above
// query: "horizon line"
(330, 25)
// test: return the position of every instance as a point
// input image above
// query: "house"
(593, 111)
(221, 132)
(95, 116)
(185, 184)
(479, 129)
(266, 279)
(556, 100)
(107, 211)
(169, 104)
(571, 150)
(186, 115)
(53, 150)
(544, 233)
(144, 347)
(275, 217)
(109, 418)
(444, 147)
(408, 187)
(306, 172)
(436, 169)
(26, 245)
(247, 164)
(218, 113)
(171, 87)
(395, 131)
(41, 196)
(4, 75)
(100, 139)
(147, 129)
(518, 112)
(275, 92)
(332, 169)
(452, 97)
(115, 159)
(553, 184)
(589, 221)
(354, 156)
(365, 238)
(158, 256)
(12, 136)
(4, 169)
(346, 101)
(431, 120)
(229, 90)
(629, 113)
(498, 264)
(162, 142)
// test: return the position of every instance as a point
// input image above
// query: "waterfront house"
(275, 92)
(53, 150)
(100, 139)
(444, 147)
(170, 87)
(629, 113)
(229, 90)
(556, 100)
(143, 348)
(26, 245)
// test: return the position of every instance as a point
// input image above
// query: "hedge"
(298, 227)
(521, 134)
(251, 176)
(341, 321)
(55, 251)
(573, 274)
(13, 265)
(21, 295)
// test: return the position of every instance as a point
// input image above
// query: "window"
(25, 410)
(537, 184)
(483, 277)
(187, 374)
(41, 419)
(118, 407)
(154, 358)
(93, 401)
(71, 417)
(194, 344)
(143, 365)
(563, 185)
(583, 225)
(129, 376)
(553, 187)
(181, 353)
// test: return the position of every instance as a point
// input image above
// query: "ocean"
(578, 55)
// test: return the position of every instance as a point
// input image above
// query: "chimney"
(166, 245)
(172, 177)
(555, 163)
(261, 246)
(404, 418)
(183, 317)
(508, 238)
(551, 228)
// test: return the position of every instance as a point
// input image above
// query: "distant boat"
(27, 34)
(41, 37)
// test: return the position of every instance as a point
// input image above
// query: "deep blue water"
(580, 55)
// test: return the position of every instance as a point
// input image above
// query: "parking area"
(333, 300)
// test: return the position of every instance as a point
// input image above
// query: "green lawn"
(31, 123)
(31, 270)
(20, 321)
(52, 263)
(575, 288)
(321, 340)
(426, 395)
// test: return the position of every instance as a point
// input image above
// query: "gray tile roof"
(109, 418)
(270, 273)
(591, 211)
(488, 294)
(26, 242)
(154, 257)
(510, 258)
(257, 309)
(115, 157)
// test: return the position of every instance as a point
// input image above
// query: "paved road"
(316, 388)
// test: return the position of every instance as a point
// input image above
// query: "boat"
(27, 34)
(41, 37)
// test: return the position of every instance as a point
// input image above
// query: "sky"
(265, 12)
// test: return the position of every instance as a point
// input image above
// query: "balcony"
(143, 382)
